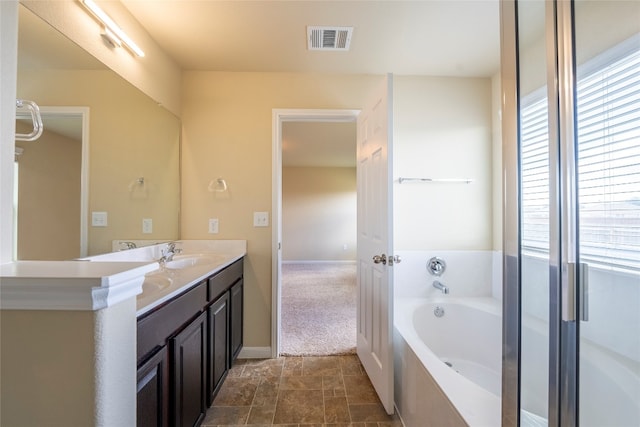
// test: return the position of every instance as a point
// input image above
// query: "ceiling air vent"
(329, 38)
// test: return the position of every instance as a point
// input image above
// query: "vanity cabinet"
(218, 345)
(185, 348)
(153, 390)
(236, 295)
(189, 355)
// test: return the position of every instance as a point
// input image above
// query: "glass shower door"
(608, 188)
(571, 346)
(534, 221)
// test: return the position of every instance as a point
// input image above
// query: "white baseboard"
(311, 261)
(255, 353)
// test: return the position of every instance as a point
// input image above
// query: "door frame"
(279, 116)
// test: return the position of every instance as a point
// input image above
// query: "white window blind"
(608, 136)
(534, 155)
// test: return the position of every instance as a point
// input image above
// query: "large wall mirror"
(106, 148)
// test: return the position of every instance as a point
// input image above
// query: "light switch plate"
(261, 219)
(213, 225)
(99, 219)
(147, 225)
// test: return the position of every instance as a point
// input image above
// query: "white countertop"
(179, 281)
(101, 281)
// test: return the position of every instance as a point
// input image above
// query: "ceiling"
(434, 37)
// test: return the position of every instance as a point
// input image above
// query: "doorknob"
(380, 259)
(395, 259)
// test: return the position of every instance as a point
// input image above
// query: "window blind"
(534, 164)
(608, 138)
(608, 135)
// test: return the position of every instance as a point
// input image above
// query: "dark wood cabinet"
(219, 361)
(185, 347)
(236, 295)
(189, 353)
(153, 391)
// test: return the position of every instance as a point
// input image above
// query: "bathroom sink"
(190, 260)
(155, 282)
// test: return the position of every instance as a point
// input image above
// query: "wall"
(129, 136)
(443, 129)
(319, 214)
(227, 132)
(496, 159)
(49, 176)
(65, 370)
(227, 120)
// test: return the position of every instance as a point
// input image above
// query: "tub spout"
(440, 286)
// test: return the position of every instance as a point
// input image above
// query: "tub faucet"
(440, 286)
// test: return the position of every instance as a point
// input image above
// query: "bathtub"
(456, 379)
(448, 368)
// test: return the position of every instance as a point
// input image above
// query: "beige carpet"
(318, 309)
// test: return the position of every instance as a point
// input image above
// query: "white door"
(375, 283)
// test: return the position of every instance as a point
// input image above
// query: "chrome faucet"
(128, 245)
(440, 286)
(169, 252)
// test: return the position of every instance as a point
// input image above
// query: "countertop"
(97, 282)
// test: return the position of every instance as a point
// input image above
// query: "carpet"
(318, 309)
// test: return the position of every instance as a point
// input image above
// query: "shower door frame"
(563, 218)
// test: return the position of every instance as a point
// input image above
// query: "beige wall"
(496, 119)
(227, 132)
(68, 368)
(319, 214)
(129, 136)
(49, 197)
(442, 129)
(40, 347)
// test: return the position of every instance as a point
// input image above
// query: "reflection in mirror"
(51, 172)
(128, 137)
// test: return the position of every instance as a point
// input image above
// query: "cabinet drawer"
(222, 280)
(154, 329)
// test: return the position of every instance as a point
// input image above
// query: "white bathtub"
(468, 337)
(448, 368)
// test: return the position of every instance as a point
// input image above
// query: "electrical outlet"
(261, 219)
(99, 219)
(213, 225)
(147, 225)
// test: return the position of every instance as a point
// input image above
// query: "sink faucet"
(128, 245)
(440, 286)
(169, 252)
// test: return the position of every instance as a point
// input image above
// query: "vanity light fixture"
(112, 31)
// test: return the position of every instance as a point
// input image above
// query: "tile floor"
(328, 391)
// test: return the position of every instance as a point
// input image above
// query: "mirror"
(130, 160)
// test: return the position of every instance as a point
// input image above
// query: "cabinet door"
(236, 319)
(152, 391)
(188, 350)
(218, 344)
